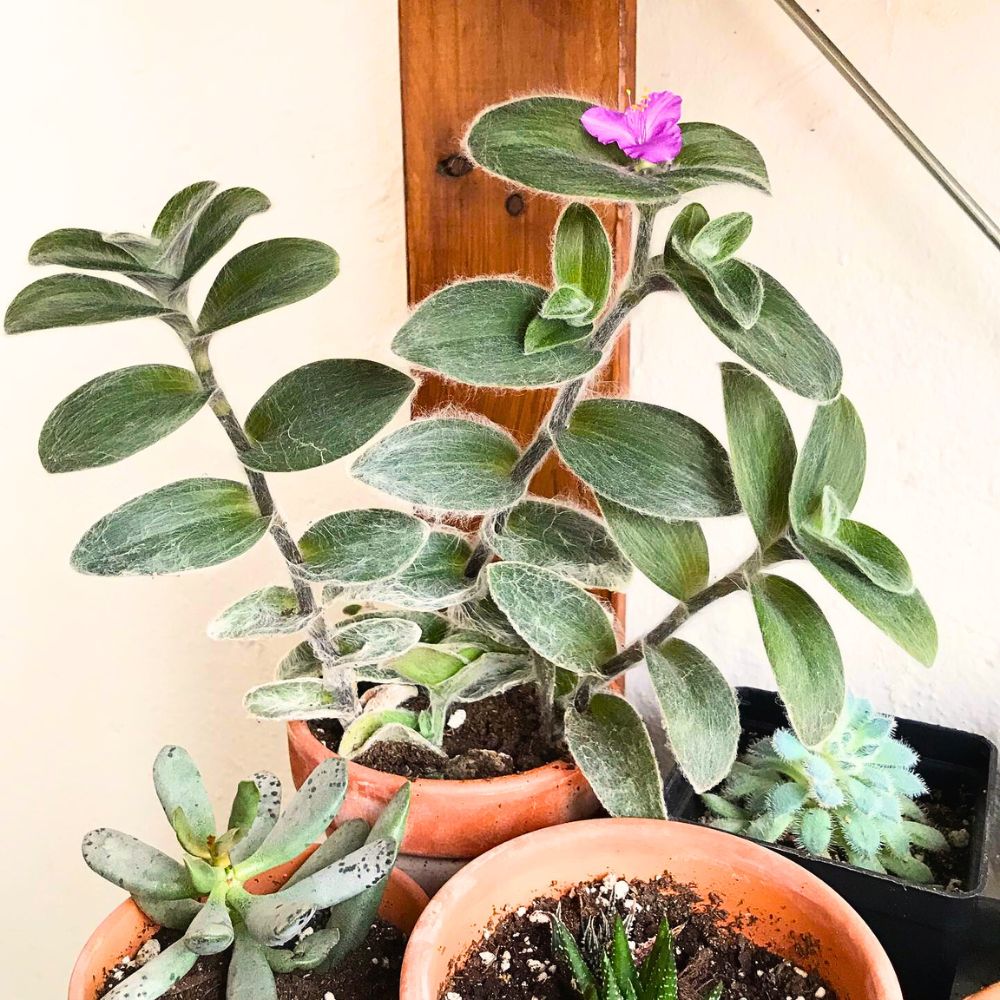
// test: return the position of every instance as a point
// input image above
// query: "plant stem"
(339, 680)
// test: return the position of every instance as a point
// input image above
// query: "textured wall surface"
(111, 106)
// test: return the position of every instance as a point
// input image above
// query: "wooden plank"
(456, 57)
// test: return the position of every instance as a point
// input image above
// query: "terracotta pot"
(126, 928)
(455, 819)
(787, 901)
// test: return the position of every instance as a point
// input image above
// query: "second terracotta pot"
(786, 903)
(455, 819)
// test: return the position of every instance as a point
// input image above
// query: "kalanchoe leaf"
(186, 836)
(562, 539)
(175, 914)
(118, 414)
(246, 803)
(179, 784)
(474, 331)
(579, 637)
(250, 976)
(321, 412)
(76, 300)
(762, 451)
(217, 225)
(204, 877)
(699, 711)
(271, 920)
(446, 463)
(211, 931)
(269, 611)
(304, 821)
(346, 839)
(154, 978)
(673, 554)
(610, 744)
(267, 276)
(308, 954)
(268, 808)
(804, 656)
(190, 524)
(361, 546)
(344, 879)
(648, 458)
(135, 866)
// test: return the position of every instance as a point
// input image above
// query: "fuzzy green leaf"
(611, 746)
(804, 656)
(581, 256)
(179, 784)
(648, 458)
(545, 333)
(217, 225)
(558, 619)
(427, 666)
(86, 249)
(699, 710)
(303, 821)
(720, 238)
(833, 455)
(182, 209)
(562, 539)
(565, 303)
(185, 525)
(289, 700)
(369, 640)
(76, 300)
(321, 412)
(356, 736)
(474, 331)
(269, 611)
(154, 978)
(538, 142)
(117, 414)
(816, 831)
(360, 546)
(673, 554)
(784, 343)
(136, 867)
(762, 451)
(266, 276)
(905, 618)
(446, 463)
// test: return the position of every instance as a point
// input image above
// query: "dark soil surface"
(370, 973)
(500, 735)
(514, 961)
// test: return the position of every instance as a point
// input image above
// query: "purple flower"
(644, 131)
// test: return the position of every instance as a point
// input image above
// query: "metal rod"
(880, 106)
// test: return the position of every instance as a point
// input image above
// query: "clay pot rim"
(425, 939)
(407, 890)
(546, 774)
(990, 993)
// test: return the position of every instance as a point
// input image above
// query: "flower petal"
(662, 110)
(607, 125)
(661, 148)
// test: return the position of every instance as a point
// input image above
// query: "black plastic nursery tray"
(924, 930)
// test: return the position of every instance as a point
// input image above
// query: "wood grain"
(458, 56)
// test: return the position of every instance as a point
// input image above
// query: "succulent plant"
(851, 796)
(607, 970)
(205, 894)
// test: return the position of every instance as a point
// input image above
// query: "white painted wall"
(111, 106)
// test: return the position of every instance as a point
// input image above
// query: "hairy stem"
(340, 680)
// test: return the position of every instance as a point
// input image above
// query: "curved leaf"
(181, 210)
(558, 619)
(761, 449)
(185, 525)
(267, 276)
(160, 973)
(118, 414)
(360, 546)
(611, 746)
(649, 458)
(581, 256)
(76, 300)
(700, 714)
(218, 224)
(179, 784)
(321, 412)
(135, 866)
(290, 700)
(249, 976)
(539, 143)
(86, 249)
(562, 539)
(673, 554)
(474, 331)
(269, 611)
(446, 463)
(719, 239)
(804, 656)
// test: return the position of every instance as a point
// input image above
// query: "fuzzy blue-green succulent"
(204, 894)
(608, 971)
(851, 796)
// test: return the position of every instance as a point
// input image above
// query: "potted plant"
(255, 903)
(519, 919)
(925, 790)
